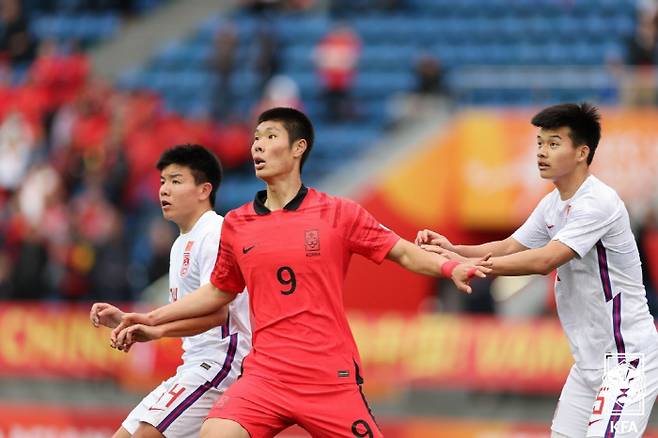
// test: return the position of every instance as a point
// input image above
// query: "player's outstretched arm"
(104, 314)
(496, 248)
(413, 258)
(203, 301)
(175, 329)
(533, 261)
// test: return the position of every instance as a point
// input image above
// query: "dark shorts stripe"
(603, 270)
(189, 401)
(607, 291)
(616, 324)
(225, 326)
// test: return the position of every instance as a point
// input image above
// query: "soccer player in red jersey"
(291, 248)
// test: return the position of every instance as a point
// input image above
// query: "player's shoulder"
(209, 231)
(549, 199)
(597, 195)
(326, 198)
(239, 213)
(210, 222)
(347, 206)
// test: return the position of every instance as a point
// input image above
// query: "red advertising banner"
(33, 420)
(46, 421)
(435, 350)
(430, 349)
(41, 340)
(38, 421)
(484, 353)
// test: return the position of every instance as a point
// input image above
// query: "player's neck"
(282, 191)
(186, 224)
(569, 184)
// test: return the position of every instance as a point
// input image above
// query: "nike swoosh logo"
(246, 250)
(550, 226)
(592, 422)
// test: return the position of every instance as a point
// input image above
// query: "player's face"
(556, 154)
(179, 194)
(272, 152)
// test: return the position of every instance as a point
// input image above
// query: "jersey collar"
(261, 197)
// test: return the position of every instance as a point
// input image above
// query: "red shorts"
(265, 407)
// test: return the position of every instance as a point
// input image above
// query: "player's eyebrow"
(269, 128)
(539, 137)
(172, 175)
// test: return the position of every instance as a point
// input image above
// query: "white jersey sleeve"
(533, 232)
(588, 221)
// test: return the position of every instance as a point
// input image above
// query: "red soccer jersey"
(293, 262)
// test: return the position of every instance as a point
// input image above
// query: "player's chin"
(263, 174)
(545, 174)
(167, 214)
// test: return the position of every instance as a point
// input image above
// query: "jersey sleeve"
(226, 274)
(208, 255)
(533, 232)
(364, 234)
(586, 224)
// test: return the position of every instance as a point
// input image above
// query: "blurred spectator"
(16, 42)
(340, 9)
(109, 274)
(281, 91)
(336, 57)
(16, 150)
(29, 269)
(5, 276)
(261, 6)
(62, 72)
(161, 237)
(266, 6)
(640, 82)
(222, 65)
(266, 58)
(429, 75)
(641, 46)
(430, 91)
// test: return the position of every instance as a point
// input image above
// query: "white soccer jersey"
(192, 260)
(600, 297)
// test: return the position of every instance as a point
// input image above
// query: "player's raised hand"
(137, 333)
(127, 320)
(105, 314)
(464, 272)
(429, 237)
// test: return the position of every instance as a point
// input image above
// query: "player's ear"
(204, 190)
(299, 147)
(583, 152)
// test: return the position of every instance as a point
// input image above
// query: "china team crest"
(186, 259)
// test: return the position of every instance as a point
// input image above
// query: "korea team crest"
(312, 242)
(185, 268)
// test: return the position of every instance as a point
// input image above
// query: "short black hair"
(203, 164)
(583, 120)
(296, 123)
